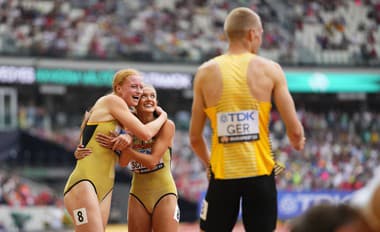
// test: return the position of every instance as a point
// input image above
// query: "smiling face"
(148, 101)
(127, 84)
(131, 90)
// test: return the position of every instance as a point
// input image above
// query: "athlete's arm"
(114, 141)
(119, 110)
(198, 120)
(163, 141)
(124, 158)
(285, 105)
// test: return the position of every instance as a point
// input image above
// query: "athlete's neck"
(145, 117)
(239, 47)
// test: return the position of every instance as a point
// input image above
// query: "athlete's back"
(261, 78)
(234, 91)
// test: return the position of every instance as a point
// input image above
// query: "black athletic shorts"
(221, 206)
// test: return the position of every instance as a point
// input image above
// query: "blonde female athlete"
(153, 195)
(88, 191)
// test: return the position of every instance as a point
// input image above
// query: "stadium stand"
(342, 148)
(296, 32)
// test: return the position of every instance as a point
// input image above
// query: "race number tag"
(177, 214)
(80, 216)
(119, 130)
(241, 126)
(137, 167)
(203, 214)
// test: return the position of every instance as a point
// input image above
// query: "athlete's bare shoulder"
(101, 108)
(269, 67)
(169, 129)
(264, 62)
(170, 123)
(207, 68)
(110, 99)
(207, 64)
(100, 101)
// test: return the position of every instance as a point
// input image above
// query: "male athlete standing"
(235, 92)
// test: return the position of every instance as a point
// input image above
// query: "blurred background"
(57, 57)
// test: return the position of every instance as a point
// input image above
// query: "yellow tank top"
(240, 145)
(99, 167)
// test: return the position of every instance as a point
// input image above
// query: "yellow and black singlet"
(149, 186)
(99, 167)
(241, 144)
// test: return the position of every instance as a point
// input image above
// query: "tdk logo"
(238, 117)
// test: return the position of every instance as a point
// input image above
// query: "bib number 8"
(80, 216)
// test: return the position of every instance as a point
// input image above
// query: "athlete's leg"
(105, 207)
(166, 215)
(220, 208)
(81, 202)
(139, 220)
(259, 204)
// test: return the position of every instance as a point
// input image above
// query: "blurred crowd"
(21, 195)
(20, 192)
(50, 126)
(342, 148)
(341, 151)
(180, 30)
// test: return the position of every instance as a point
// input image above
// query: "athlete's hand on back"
(160, 111)
(122, 141)
(82, 152)
(114, 141)
(106, 141)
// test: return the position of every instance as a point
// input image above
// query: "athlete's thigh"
(105, 207)
(81, 202)
(165, 216)
(139, 220)
(259, 204)
(220, 208)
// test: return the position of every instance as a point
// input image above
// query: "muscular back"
(266, 82)
(262, 76)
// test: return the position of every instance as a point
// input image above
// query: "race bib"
(137, 167)
(80, 216)
(204, 208)
(241, 126)
(119, 130)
